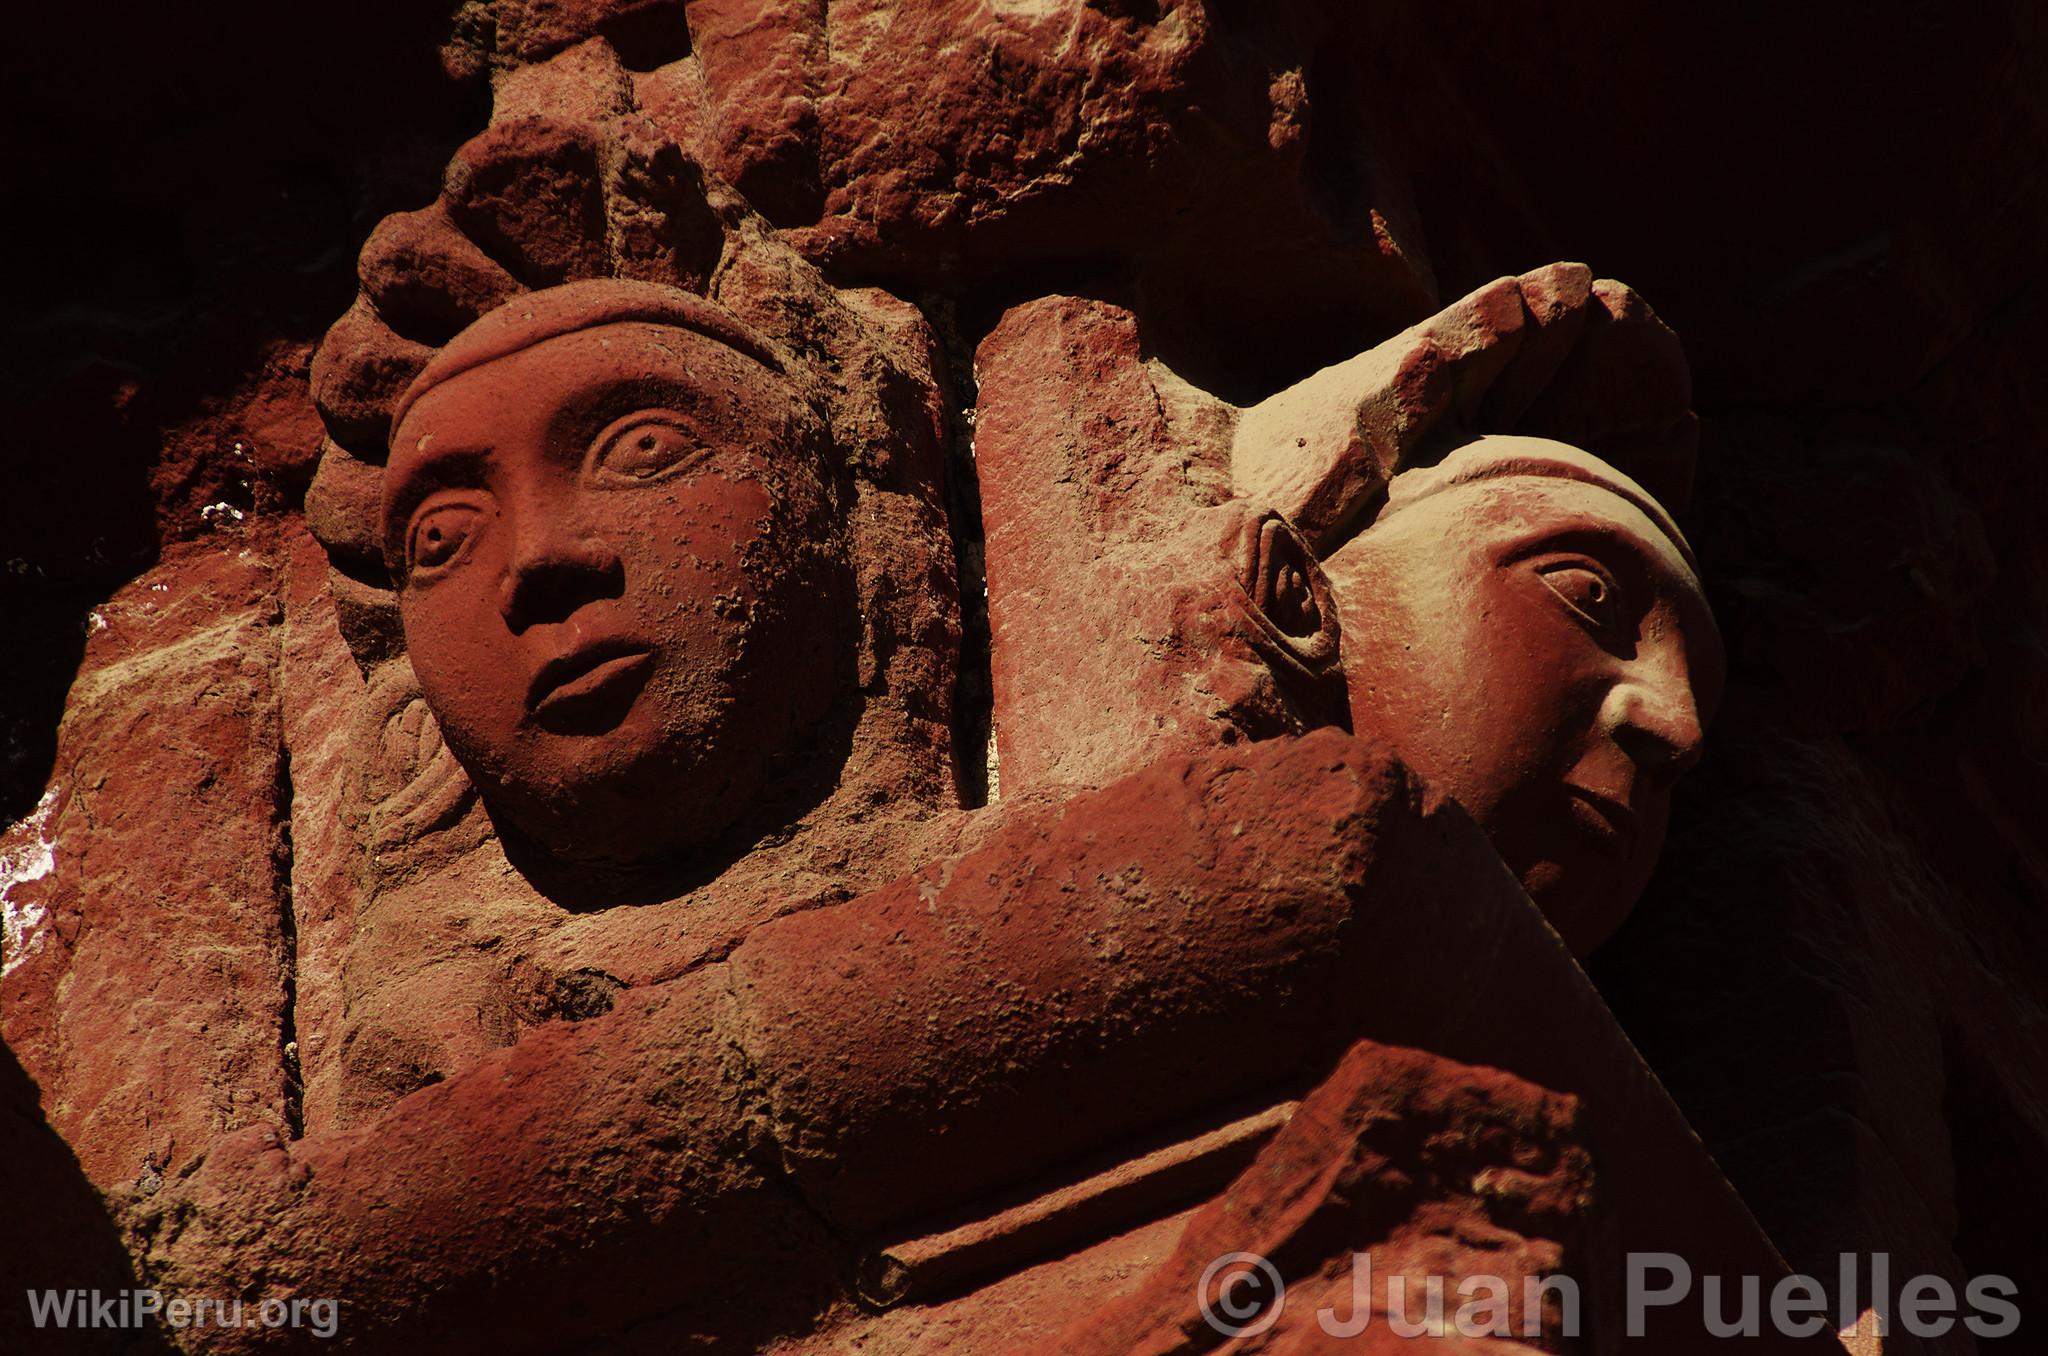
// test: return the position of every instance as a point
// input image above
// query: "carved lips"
(1525, 626)
(656, 606)
(1609, 822)
(589, 690)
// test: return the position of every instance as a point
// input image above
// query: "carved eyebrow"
(585, 416)
(1643, 569)
(412, 478)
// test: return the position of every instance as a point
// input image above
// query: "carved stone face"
(619, 582)
(1523, 626)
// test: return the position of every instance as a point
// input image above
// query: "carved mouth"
(1608, 821)
(589, 690)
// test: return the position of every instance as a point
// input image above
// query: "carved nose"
(555, 570)
(1657, 722)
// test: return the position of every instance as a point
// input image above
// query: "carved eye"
(438, 535)
(1294, 603)
(643, 447)
(1586, 589)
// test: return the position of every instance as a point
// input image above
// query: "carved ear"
(408, 785)
(1291, 603)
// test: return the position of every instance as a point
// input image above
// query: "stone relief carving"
(655, 590)
(629, 648)
(1527, 627)
(680, 966)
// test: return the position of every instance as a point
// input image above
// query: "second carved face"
(621, 581)
(1524, 625)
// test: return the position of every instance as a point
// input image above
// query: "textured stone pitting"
(1442, 1168)
(1553, 353)
(319, 691)
(151, 1013)
(290, 979)
(29, 857)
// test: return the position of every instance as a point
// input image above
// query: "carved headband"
(536, 317)
(1501, 456)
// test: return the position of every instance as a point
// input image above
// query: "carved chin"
(624, 787)
(1550, 884)
(635, 818)
(1585, 901)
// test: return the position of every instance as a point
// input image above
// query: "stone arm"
(722, 1144)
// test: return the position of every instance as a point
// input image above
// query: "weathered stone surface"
(148, 997)
(1106, 599)
(319, 692)
(1440, 1171)
(250, 449)
(417, 269)
(358, 372)
(1552, 353)
(1061, 988)
(527, 192)
(341, 511)
(643, 1129)
(635, 1125)
(500, 34)
(1848, 249)
(957, 142)
(762, 67)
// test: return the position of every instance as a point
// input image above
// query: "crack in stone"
(288, 935)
